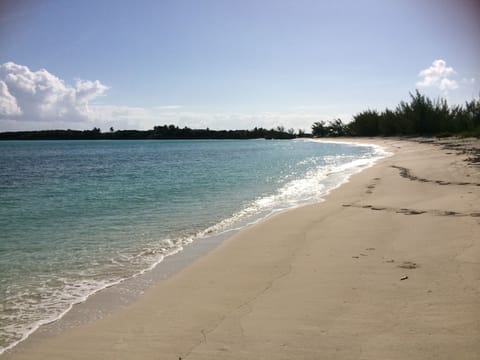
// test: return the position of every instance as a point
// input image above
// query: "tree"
(365, 123)
(336, 128)
(319, 129)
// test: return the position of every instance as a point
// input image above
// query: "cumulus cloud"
(8, 104)
(438, 75)
(27, 95)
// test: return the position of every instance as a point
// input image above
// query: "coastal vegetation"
(420, 116)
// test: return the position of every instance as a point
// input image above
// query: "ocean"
(79, 216)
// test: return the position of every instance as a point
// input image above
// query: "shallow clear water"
(76, 216)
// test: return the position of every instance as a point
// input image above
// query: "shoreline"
(279, 256)
(125, 291)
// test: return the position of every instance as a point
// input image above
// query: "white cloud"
(8, 104)
(168, 107)
(438, 75)
(39, 96)
(447, 84)
(468, 81)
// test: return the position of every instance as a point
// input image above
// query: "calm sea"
(77, 216)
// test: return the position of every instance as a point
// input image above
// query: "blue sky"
(228, 64)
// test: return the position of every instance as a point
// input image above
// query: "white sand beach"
(388, 267)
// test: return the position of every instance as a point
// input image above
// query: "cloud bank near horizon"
(37, 100)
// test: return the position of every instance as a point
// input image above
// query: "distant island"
(165, 132)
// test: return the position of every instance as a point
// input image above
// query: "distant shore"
(386, 268)
(165, 132)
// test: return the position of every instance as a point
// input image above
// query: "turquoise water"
(77, 216)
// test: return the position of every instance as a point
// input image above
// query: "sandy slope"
(322, 281)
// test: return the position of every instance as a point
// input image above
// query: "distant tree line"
(164, 132)
(421, 116)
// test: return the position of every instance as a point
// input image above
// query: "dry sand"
(322, 281)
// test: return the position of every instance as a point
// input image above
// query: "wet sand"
(388, 267)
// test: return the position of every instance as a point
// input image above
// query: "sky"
(228, 64)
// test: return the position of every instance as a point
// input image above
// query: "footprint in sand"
(410, 212)
(408, 265)
(372, 185)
